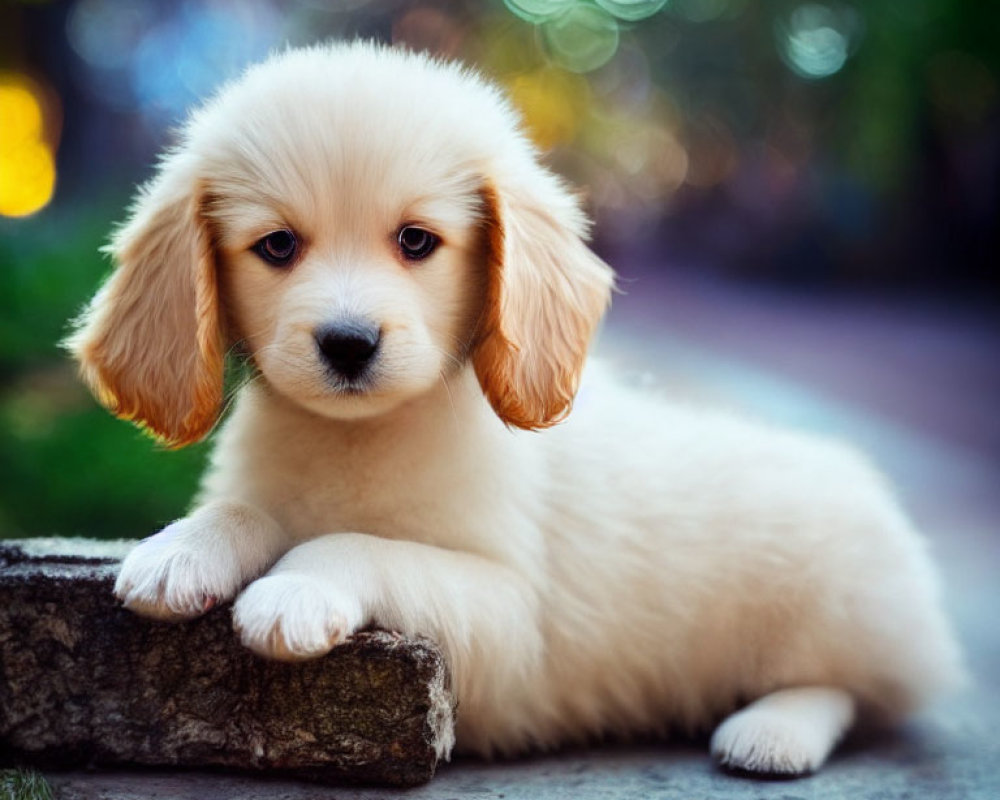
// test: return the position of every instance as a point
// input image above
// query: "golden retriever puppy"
(413, 289)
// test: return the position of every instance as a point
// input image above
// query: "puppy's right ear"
(149, 343)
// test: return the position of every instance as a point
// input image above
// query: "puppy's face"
(361, 222)
(353, 283)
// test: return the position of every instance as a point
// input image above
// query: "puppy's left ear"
(150, 343)
(545, 294)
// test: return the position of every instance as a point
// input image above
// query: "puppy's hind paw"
(786, 733)
(292, 617)
(764, 747)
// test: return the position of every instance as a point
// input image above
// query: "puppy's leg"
(321, 591)
(195, 562)
(789, 732)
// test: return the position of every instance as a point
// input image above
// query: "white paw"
(787, 732)
(758, 741)
(178, 574)
(294, 617)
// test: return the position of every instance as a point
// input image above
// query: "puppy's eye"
(277, 248)
(416, 243)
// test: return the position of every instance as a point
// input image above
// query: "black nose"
(348, 347)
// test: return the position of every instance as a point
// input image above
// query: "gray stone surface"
(931, 759)
(84, 682)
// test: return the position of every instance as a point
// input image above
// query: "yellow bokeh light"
(27, 163)
(21, 115)
(27, 178)
(552, 102)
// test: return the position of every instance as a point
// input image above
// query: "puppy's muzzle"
(348, 348)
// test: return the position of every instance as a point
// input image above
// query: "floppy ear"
(545, 294)
(149, 343)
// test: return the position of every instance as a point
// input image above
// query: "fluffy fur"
(641, 566)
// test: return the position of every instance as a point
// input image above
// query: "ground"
(913, 382)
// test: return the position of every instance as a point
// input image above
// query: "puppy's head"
(361, 222)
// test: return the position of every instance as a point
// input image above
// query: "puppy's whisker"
(449, 356)
(462, 346)
(274, 353)
(451, 400)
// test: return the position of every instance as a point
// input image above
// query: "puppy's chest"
(399, 493)
(382, 502)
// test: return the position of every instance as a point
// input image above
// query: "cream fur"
(641, 566)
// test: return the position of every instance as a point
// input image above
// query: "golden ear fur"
(546, 292)
(149, 343)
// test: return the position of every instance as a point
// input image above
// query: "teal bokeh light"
(538, 11)
(815, 40)
(582, 38)
(631, 10)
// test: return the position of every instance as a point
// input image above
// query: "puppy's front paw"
(174, 575)
(294, 617)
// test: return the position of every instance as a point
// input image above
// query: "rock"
(85, 683)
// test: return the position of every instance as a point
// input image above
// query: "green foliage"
(20, 784)
(84, 473)
(67, 466)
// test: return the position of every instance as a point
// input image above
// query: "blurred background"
(807, 191)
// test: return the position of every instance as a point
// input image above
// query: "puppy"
(374, 232)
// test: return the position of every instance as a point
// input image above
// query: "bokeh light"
(581, 38)
(105, 33)
(626, 82)
(631, 10)
(166, 58)
(536, 11)
(552, 102)
(27, 160)
(817, 39)
(181, 61)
